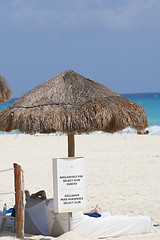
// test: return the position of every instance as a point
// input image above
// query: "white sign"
(69, 184)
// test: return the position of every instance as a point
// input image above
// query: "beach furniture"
(110, 225)
(41, 219)
(7, 223)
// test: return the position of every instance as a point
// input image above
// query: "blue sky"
(114, 42)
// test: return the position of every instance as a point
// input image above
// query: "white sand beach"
(122, 171)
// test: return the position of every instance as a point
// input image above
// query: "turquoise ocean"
(149, 101)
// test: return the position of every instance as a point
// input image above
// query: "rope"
(7, 193)
(5, 170)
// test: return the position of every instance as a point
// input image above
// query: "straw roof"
(5, 91)
(72, 103)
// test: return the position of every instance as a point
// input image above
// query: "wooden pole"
(71, 145)
(18, 202)
(71, 153)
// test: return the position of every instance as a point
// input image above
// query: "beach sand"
(122, 171)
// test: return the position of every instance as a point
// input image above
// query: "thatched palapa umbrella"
(71, 103)
(5, 91)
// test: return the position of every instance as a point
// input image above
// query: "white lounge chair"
(41, 219)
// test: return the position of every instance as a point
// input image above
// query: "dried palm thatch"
(5, 91)
(72, 103)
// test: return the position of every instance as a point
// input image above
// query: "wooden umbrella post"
(71, 153)
(71, 145)
(18, 202)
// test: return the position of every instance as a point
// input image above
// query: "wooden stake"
(71, 145)
(18, 202)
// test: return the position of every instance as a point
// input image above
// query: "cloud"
(120, 15)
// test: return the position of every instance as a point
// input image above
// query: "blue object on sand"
(94, 214)
(10, 210)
